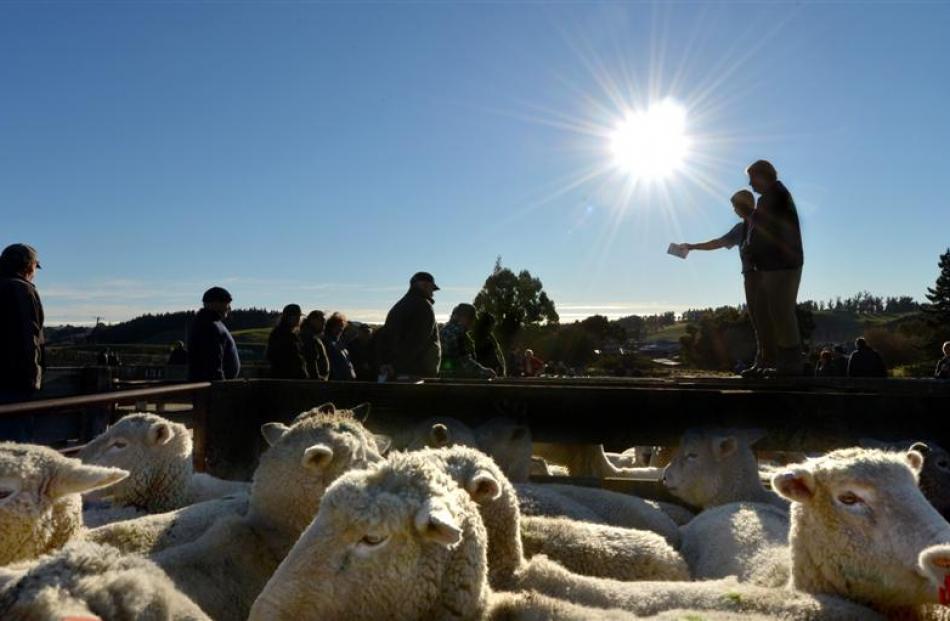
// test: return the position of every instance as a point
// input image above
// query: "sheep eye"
(5, 493)
(119, 444)
(849, 499)
(373, 540)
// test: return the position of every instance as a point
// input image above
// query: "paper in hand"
(678, 250)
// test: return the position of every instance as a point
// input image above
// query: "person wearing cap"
(775, 249)
(743, 203)
(212, 352)
(458, 348)
(284, 347)
(409, 340)
(21, 332)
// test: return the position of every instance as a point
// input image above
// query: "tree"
(515, 301)
(937, 312)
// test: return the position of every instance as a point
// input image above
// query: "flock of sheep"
(336, 525)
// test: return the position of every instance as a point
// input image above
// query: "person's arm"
(713, 244)
(730, 239)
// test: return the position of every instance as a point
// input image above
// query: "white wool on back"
(586, 460)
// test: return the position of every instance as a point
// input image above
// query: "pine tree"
(937, 312)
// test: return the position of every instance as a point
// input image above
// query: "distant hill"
(165, 328)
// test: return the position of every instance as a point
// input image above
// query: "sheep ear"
(921, 448)
(520, 431)
(361, 412)
(916, 461)
(81, 478)
(439, 435)
(326, 408)
(483, 487)
(797, 484)
(273, 432)
(437, 524)
(317, 457)
(160, 433)
(725, 446)
(383, 443)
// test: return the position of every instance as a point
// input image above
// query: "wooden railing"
(196, 392)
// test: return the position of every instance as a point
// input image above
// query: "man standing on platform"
(21, 325)
(409, 341)
(212, 352)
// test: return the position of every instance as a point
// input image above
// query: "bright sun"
(651, 144)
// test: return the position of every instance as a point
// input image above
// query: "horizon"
(322, 153)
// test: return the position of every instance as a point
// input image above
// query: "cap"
(423, 277)
(19, 256)
(292, 309)
(216, 294)
(465, 309)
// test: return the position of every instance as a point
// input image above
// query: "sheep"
(714, 467)
(40, 503)
(440, 431)
(158, 453)
(746, 540)
(934, 479)
(509, 444)
(633, 457)
(84, 579)
(862, 529)
(399, 541)
(403, 541)
(225, 569)
(589, 460)
(679, 514)
(152, 533)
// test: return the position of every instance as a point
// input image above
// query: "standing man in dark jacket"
(409, 340)
(21, 325)
(284, 347)
(775, 248)
(212, 352)
(865, 361)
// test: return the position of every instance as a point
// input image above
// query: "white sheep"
(225, 569)
(861, 528)
(509, 444)
(40, 503)
(402, 542)
(85, 580)
(746, 540)
(589, 460)
(712, 467)
(158, 454)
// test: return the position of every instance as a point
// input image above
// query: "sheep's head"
(40, 507)
(440, 431)
(304, 458)
(935, 476)
(398, 541)
(509, 444)
(705, 462)
(157, 453)
(862, 529)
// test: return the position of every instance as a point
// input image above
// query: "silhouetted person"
(487, 350)
(102, 359)
(743, 203)
(314, 351)
(840, 361)
(826, 365)
(409, 341)
(284, 348)
(943, 367)
(775, 250)
(341, 369)
(532, 364)
(362, 354)
(458, 350)
(21, 335)
(112, 359)
(865, 361)
(178, 355)
(212, 352)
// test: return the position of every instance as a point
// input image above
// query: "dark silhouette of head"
(860, 343)
(464, 315)
(19, 260)
(290, 316)
(217, 299)
(423, 282)
(317, 320)
(762, 175)
(336, 324)
(743, 202)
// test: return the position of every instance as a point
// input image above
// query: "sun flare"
(651, 144)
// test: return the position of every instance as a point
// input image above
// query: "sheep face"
(399, 541)
(702, 465)
(935, 476)
(861, 528)
(303, 460)
(509, 444)
(40, 507)
(154, 450)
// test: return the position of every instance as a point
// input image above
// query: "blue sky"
(320, 153)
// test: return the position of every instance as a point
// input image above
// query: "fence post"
(199, 426)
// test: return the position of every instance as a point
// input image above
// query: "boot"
(789, 363)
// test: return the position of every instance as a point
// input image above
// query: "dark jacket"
(362, 355)
(314, 353)
(866, 362)
(285, 354)
(775, 242)
(21, 336)
(409, 340)
(341, 369)
(178, 356)
(212, 352)
(943, 368)
(458, 353)
(488, 353)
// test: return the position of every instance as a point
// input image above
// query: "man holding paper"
(743, 202)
